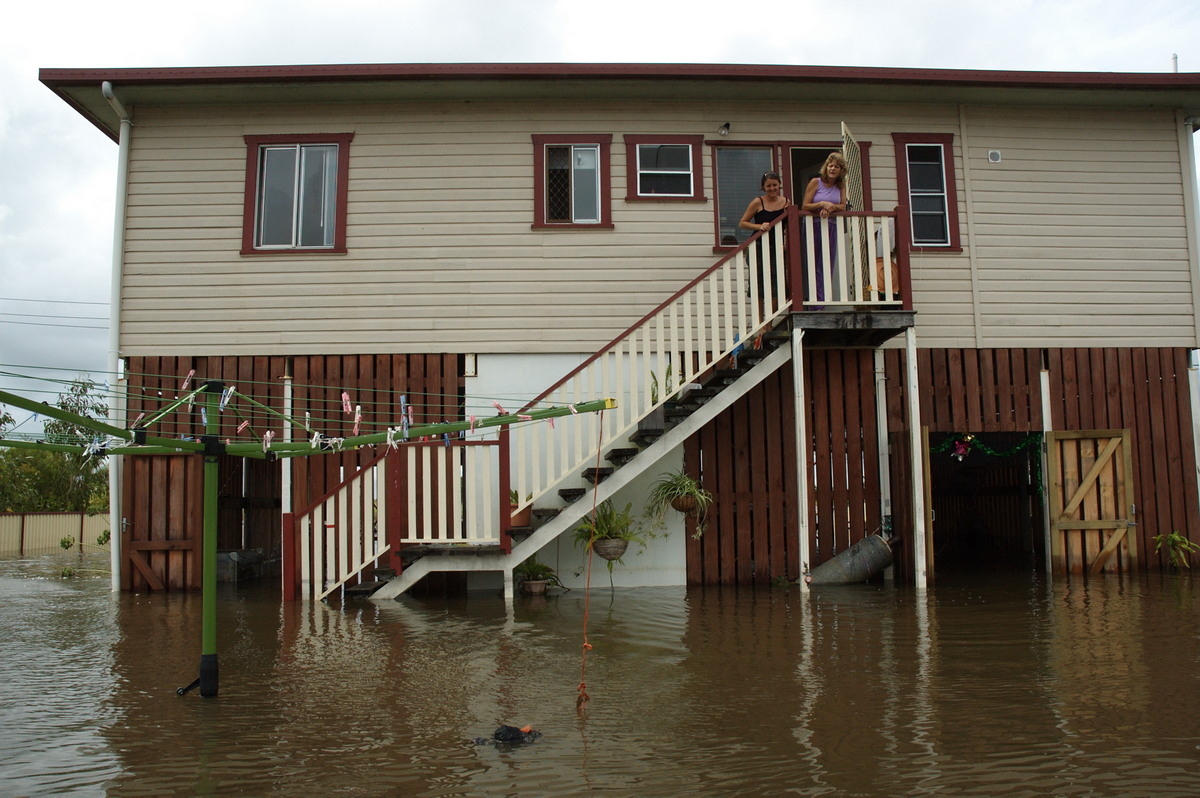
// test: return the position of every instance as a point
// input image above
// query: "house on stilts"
(987, 356)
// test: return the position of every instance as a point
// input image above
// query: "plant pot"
(684, 504)
(522, 518)
(534, 587)
(610, 548)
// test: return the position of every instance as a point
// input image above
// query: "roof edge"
(53, 77)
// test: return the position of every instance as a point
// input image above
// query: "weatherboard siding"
(441, 256)
(1080, 229)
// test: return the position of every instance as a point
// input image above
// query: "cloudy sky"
(57, 172)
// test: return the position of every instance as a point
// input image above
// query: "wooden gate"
(1092, 526)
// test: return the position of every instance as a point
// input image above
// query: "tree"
(46, 481)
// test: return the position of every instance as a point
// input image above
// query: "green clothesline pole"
(209, 679)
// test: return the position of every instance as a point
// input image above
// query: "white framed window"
(927, 194)
(296, 192)
(662, 168)
(572, 187)
(925, 174)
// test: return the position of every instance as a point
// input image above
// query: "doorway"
(805, 164)
(987, 503)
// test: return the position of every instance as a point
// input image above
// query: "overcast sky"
(58, 172)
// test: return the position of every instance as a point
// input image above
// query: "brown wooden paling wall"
(749, 464)
(746, 457)
(433, 385)
(1143, 390)
(163, 494)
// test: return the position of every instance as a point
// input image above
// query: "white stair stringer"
(570, 515)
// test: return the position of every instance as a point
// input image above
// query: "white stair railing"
(685, 336)
(419, 494)
(341, 533)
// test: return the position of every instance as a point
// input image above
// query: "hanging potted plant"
(534, 576)
(525, 516)
(609, 532)
(676, 489)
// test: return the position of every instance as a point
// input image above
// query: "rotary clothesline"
(139, 437)
(138, 440)
(315, 394)
(336, 412)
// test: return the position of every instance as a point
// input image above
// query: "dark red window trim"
(604, 141)
(696, 143)
(251, 190)
(901, 140)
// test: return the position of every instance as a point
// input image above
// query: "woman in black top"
(765, 209)
(758, 216)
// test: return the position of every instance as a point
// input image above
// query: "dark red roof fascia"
(378, 72)
(321, 73)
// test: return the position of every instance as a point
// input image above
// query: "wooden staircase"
(719, 336)
(720, 388)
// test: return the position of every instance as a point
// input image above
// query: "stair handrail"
(661, 306)
(746, 286)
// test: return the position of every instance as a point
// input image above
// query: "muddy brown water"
(997, 685)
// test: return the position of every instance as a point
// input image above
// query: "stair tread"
(590, 474)
(363, 589)
(416, 550)
(622, 456)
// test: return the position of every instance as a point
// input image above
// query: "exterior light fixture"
(723, 129)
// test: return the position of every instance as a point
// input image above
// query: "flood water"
(983, 686)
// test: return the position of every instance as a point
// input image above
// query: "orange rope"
(583, 697)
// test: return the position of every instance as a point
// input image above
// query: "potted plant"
(1178, 547)
(534, 576)
(655, 422)
(682, 493)
(609, 532)
(525, 516)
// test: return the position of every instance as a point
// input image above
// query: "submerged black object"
(511, 735)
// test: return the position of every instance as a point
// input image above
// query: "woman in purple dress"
(826, 195)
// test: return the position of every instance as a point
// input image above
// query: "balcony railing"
(850, 260)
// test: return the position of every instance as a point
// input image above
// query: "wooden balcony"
(853, 274)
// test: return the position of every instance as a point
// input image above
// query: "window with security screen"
(572, 187)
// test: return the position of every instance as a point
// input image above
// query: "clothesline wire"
(303, 393)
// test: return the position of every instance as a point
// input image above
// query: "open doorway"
(805, 164)
(987, 504)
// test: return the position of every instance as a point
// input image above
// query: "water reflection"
(1003, 685)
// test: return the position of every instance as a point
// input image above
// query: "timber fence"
(23, 534)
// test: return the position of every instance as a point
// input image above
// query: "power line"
(48, 324)
(55, 301)
(53, 316)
